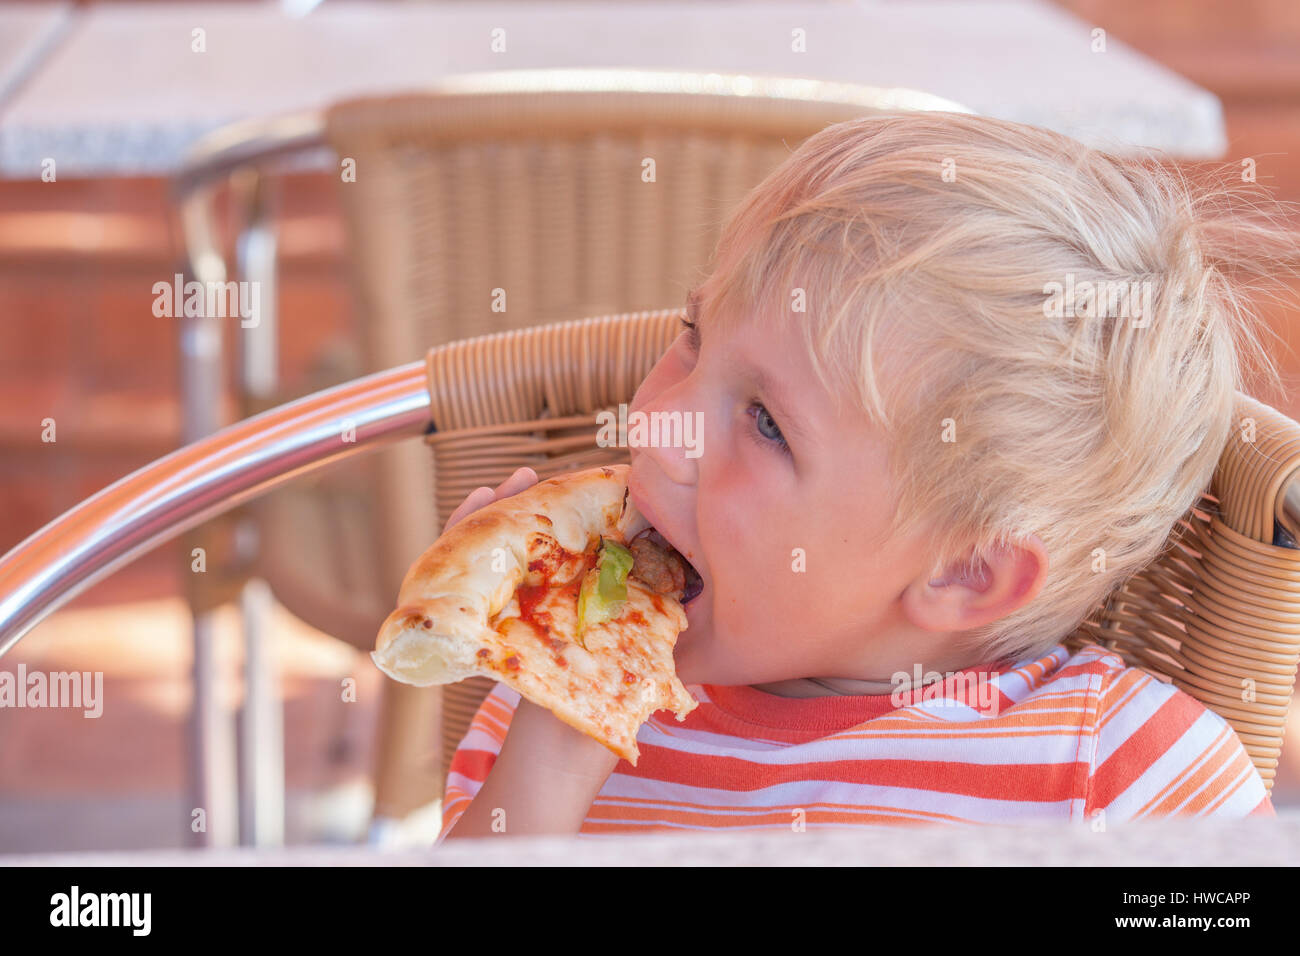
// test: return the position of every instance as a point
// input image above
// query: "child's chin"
(686, 661)
(689, 654)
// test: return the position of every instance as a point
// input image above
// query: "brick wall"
(79, 342)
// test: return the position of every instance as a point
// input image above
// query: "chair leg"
(212, 751)
(408, 771)
(261, 810)
(213, 777)
(261, 752)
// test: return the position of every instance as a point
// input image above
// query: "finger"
(473, 501)
(484, 495)
(522, 478)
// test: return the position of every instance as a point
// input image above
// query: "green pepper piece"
(604, 590)
(614, 563)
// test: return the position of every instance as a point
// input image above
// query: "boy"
(927, 453)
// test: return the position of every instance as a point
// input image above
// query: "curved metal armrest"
(203, 479)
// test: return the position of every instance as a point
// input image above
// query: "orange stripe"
(883, 818)
(451, 813)
(1031, 781)
(615, 807)
(1239, 770)
(1264, 808)
(1144, 746)
(1206, 766)
(474, 764)
(1113, 704)
(497, 710)
(958, 733)
(1042, 700)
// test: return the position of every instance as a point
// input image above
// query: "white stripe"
(1139, 707)
(468, 784)
(1170, 769)
(921, 742)
(1223, 754)
(802, 793)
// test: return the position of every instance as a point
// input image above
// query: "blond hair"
(926, 250)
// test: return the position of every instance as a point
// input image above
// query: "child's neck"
(846, 686)
(825, 687)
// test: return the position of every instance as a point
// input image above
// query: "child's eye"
(766, 426)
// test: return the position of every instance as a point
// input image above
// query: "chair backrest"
(1218, 613)
(515, 199)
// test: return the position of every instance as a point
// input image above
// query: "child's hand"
(544, 780)
(548, 742)
(521, 479)
(547, 773)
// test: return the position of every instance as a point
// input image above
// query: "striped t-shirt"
(1077, 738)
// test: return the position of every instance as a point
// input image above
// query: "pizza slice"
(562, 591)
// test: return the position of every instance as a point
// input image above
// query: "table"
(123, 91)
(1167, 842)
(28, 33)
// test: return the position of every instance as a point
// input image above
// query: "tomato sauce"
(529, 598)
(531, 595)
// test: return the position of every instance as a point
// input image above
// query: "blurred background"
(116, 94)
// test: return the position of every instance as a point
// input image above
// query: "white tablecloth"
(1169, 842)
(124, 92)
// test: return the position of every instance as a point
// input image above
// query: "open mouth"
(657, 562)
(663, 567)
(694, 583)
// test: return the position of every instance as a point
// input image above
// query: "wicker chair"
(531, 183)
(1218, 613)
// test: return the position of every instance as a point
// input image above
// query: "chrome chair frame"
(200, 481)
(180, 491)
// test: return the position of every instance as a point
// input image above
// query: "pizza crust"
(461, 598)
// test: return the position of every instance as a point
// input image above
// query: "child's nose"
(671, 432)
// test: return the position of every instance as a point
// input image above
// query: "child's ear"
(967, 596)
